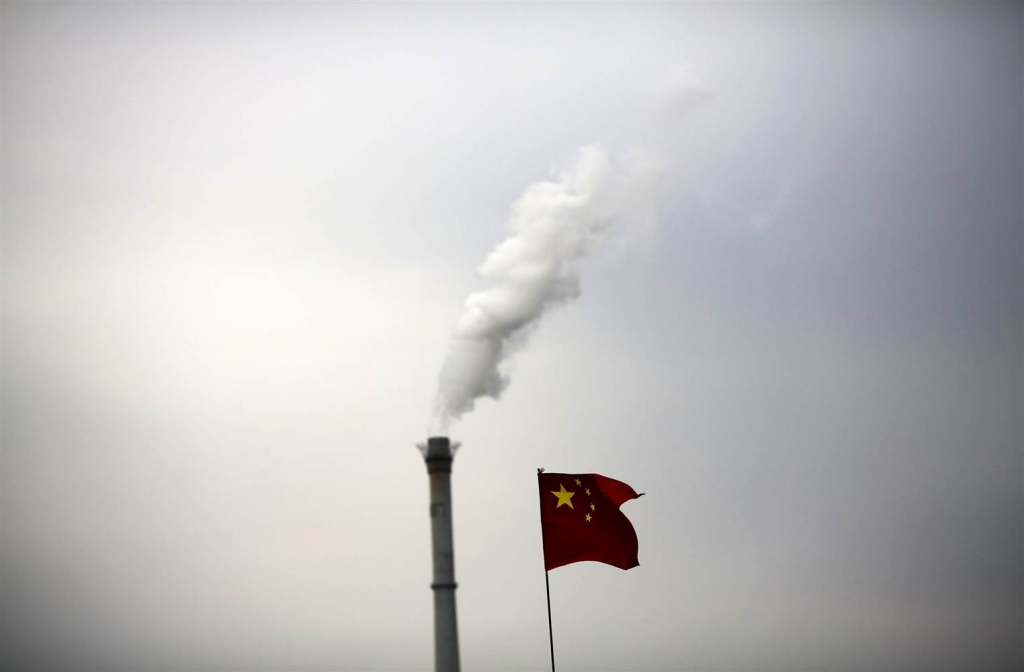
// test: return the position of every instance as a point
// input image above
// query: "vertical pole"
(551, 636)
(547, 584)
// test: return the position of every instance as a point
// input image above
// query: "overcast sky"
(237, 238)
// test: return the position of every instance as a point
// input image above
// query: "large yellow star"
(564, 497)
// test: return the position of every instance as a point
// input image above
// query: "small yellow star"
(588, 492)
(593, 508)
(578, 482)
(588, 517)
(564, 497)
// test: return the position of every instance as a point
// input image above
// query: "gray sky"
(237, 237)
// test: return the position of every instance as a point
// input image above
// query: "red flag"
(580, 520)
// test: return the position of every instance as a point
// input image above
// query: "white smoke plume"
(554, 225)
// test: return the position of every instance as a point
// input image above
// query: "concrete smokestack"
(438, 455)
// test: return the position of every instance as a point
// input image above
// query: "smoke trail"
(553, 226)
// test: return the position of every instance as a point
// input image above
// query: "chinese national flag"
(580, 520)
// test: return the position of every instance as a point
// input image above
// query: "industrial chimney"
(438, 454)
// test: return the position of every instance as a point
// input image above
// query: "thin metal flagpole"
(551, 636)
(547, 584)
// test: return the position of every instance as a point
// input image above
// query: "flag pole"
(551, 637)
(547, 584)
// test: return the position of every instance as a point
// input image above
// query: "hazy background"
(236, 238)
